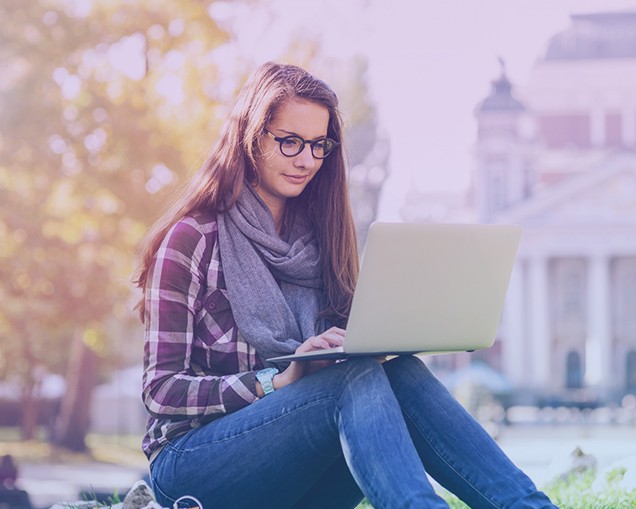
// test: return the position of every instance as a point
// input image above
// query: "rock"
(576, 462)
(629, 480)
(622, 471)
(139, 496)
(154, 505)
(84, 504)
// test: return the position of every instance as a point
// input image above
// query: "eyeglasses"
(293, 145)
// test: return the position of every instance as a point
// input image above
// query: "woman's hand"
(297, 369)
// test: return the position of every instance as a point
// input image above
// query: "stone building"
(559, 158)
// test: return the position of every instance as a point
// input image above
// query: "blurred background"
(512, 111)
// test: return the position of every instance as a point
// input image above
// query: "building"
(560, 159)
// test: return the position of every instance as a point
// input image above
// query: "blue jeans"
(357, 428)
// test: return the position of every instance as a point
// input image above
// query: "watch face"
(266, 374)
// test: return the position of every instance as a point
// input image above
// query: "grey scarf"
(274, 284)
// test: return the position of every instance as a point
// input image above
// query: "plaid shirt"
(197, 366)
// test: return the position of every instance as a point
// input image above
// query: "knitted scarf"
(274, 284)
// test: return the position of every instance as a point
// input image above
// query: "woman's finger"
(314, 343)
(335, 333)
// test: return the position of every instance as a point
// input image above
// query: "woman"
(258, 259)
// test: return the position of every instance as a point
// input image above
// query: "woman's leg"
(271, 453)
(336, 489)
(455, 449)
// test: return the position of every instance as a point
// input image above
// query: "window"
(573, 371)
(624, 297)
(630, 371)
(497, 191)
(613, 130)
(565, 131)
(569, 288)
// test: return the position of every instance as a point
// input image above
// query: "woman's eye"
(291, 142)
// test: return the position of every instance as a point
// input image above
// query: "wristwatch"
(266, 378)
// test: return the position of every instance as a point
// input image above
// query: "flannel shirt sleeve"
(174, 289)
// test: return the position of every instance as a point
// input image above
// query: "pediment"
(603, 195)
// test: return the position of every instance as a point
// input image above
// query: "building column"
(597, 127)
(514, 364)
(539, 325)
(628, 127)
(599, 338)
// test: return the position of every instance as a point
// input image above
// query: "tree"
(106, 106)
(94, 133)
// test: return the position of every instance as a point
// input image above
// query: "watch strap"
(266, 379)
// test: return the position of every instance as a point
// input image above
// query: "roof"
(595, 36)
(602, 194)
(500, 97)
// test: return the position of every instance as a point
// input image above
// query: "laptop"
(427, 288)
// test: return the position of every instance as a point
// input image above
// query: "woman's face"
(282, 177)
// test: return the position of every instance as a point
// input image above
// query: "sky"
(430, 64)
(453, 48)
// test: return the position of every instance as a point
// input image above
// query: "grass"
(575, 492)
(118, 450)
(108, 504)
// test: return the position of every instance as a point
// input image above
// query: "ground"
(115, 463)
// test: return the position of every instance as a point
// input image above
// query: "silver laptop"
(427, 288)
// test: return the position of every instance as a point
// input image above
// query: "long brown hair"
(325, 200)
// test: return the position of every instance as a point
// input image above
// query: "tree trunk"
(29, 413)
(28, 405)
(74, 420)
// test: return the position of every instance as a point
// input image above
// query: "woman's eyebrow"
(292, 133)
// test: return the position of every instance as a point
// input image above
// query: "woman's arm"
(172, 386)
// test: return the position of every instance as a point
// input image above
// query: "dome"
(595, 36)
(500, 97)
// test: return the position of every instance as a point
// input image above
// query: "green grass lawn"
(114, 449)
(573, 493)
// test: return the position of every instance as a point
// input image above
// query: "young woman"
(258, 259)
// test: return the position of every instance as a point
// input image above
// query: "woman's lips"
(295, 179)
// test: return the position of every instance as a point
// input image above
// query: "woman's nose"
(305, 159)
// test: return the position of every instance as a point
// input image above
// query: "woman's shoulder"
(203, 222)
(193, 229)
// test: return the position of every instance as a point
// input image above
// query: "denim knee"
(363, 373)
(406, 364)
(356, 366)
(409, 370)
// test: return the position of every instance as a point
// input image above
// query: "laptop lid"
(428, 288)
(431, 287)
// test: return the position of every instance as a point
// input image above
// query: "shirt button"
(211, 306)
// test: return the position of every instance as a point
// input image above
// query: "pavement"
(540, 450)
(48, 483)
(534, 448)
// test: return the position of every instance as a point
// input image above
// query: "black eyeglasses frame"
(312, 143)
